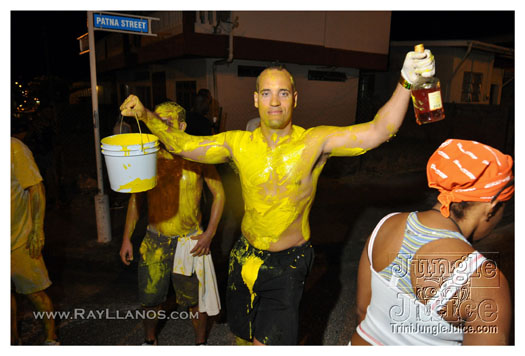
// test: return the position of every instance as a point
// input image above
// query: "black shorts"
(264, 291)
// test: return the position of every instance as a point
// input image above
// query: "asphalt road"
(98, 295)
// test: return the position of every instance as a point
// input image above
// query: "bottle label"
(434, 100)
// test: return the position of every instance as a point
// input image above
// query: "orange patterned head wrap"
(468, 171)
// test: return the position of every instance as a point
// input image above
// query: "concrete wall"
(365, 31)
(497, 79)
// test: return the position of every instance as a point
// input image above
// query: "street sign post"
(124, 23)
(114, 22)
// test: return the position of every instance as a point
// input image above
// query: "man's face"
(275, 99)
(172, 121)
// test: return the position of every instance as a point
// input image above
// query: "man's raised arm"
(357, 139)
(204, 149)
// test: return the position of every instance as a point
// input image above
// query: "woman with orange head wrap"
(420, 282)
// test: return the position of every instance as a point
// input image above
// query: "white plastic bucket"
(131, 169)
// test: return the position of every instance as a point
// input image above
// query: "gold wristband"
(404, 83)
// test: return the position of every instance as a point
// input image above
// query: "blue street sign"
(120, 23)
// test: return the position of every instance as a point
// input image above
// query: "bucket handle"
(138, 124)
(121, 118)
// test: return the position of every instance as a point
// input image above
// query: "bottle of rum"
(426, 97)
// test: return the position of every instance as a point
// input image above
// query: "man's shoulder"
(308, 132)
(20, 151)
(16, 144)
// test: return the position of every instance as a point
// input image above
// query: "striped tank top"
(416, 235)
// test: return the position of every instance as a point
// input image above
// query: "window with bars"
(471, 88)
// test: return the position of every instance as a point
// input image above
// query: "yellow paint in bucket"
(131, 160)
(129, 142)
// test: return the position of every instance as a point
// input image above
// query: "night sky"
(45, 41)
(442, 25)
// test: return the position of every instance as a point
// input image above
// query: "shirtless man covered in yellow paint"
(279, 165)
(174, 222)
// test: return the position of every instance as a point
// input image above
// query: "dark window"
(249, 71)
(326, 76)
(141, 76)
(185, 92)
(144, 93)
(471, 89)
(158, 80)
(125, 91)
(224, 16)
(366, 85)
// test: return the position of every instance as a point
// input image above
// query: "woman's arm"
(488, 317)
(364, 289)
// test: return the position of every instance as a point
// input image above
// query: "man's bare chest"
(286, 165)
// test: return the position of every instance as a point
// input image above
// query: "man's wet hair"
(171, 109)
(278, 67)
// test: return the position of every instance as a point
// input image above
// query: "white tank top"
(396, 318)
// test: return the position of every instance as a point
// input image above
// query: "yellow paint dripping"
(174, 204)
(249, 273)
(154, 269)
(350, 151)
(216, 154)
(278, 178)
(241, 342)
(391, 130)
(272, 183)
(139, 185)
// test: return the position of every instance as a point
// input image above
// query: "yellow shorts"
(28, 274)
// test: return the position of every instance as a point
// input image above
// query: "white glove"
(418, 64)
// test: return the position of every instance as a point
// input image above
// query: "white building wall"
(319, 102)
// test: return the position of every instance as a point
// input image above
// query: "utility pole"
(113, 22)
(101, 200)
